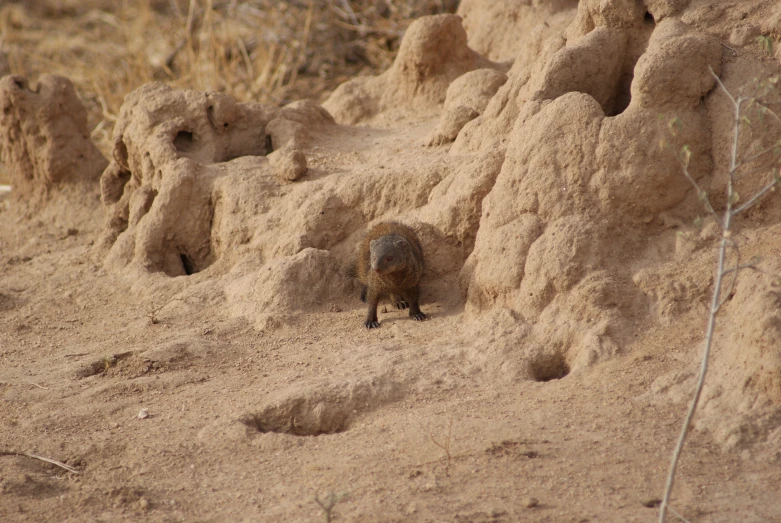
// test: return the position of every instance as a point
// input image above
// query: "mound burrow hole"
(102, 365)
(184, 141)
(549, 367)
(273, 422)
(638, 43)
(187, 265)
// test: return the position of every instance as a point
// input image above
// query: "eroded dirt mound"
(433, 53)
(44, 139)
(170, 150)
(549, 231)
(466, 98)
(507, 30)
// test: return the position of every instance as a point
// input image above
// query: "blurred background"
(259, 50)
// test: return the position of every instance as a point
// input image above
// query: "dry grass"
(270, 52)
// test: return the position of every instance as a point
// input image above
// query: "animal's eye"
(389, 258)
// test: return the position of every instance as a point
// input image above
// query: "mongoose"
(390, 262)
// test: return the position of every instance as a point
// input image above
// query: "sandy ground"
(589, 447)
(180, 398)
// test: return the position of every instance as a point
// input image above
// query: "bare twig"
(169, 60)
(758, 154)
(718, 81)
(365, 29)
(734, 269)
(734, 52)
(741, 175)
(42, 458)
(726, 241)
(154, 309)
(26, 210)
(756, 197)
(700, 191)
(752, 266)
(245, 56)
(703, 372)
(454, 457)
(328, 503)
(446, 445)
(772, 112)
(348, 8)
(304, 42)
(678, 515)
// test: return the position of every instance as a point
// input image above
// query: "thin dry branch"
(723, 88)
(734, 246)
(678, 515)
(726, 241)
(328, 503)
(758, 155)
(751, 266)
(754, 199)
(701, 194)
(41, 458)
(701, 380)
(446, 445)
(349, 11)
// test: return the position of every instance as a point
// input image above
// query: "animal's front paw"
(401, 304)
(374, 324)
(419, 316)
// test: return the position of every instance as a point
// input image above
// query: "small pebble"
(289, 164)
(143, 413)
(529, 502)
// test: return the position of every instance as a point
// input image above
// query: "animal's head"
(388, 254)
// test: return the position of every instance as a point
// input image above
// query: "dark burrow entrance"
(187, 264)
(549, 367)
(184, 141)
(272, 422)
(635, 49)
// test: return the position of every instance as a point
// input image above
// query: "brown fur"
(390, 262)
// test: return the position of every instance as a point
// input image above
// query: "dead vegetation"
(41, 458)
(269, 52)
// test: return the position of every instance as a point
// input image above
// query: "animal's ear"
(401, 243)
(372, 244)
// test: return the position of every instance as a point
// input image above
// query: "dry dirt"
(177, 323)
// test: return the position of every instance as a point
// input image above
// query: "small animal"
(390, 262)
